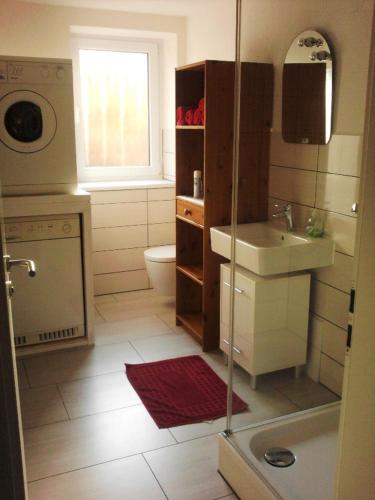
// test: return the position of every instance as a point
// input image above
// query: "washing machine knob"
(67, 228)
(60, 73)
(44, 72)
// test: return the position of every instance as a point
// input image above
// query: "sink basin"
(266, 250)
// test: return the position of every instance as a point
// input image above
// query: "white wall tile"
(293, 155)
(120, 196)
(341, 228)
(329, 303)
(169, 165)
(300, 214)
(313, 363)
(339, 275)
(334, 342)
(161, 234)
(119, 214)
(169, 140)
(316, 331)
(120, 282)
(331, 374)
(342, 155)
(115, 238)
(161, 211)
(337, 193)
(113, 261)
(161, 194)
(292, 184)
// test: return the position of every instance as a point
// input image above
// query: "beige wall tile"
(161, 234)
(339, 275)
(120, 282)
(119, 214)
(337, 193)
(116, 238)
(161, 194)
(113, 261)
(292, 184)
(120, 196)
(341, 229)
(329, 303)
(293, 155)
(315, 331)
(301, 213)
(334, 342)
(127, 478)
(331, 374)
(161, 211)
(313, 363)
(342, 155)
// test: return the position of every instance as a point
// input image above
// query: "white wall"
(326, 177)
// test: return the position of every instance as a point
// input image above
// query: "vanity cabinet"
(270, 319)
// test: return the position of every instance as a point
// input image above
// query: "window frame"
(119, 173)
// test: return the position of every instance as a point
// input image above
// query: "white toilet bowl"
(161, 268)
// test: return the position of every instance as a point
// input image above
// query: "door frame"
(355, 476)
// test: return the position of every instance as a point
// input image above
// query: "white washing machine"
(37, 141)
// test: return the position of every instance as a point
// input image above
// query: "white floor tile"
(98, 394)
(128, 309)
(76, 364)
(189, 470)
(166, 346)
(66, 446)
(130, 329)
(104, 299)
(41, 405)
(23, 383)
(128, 478)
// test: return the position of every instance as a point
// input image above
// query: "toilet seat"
(165, 253)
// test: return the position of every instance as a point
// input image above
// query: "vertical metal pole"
(236, 142)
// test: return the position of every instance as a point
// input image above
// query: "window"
(116, 93)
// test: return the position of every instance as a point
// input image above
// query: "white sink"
(266, 250)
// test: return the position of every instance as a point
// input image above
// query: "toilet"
(161, 268)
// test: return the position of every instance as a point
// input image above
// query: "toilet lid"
(165, 253)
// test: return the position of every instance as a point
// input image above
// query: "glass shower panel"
(264, 311)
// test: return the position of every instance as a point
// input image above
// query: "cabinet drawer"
(190, 211)
(241, 347)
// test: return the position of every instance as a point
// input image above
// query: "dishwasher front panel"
(49, 306)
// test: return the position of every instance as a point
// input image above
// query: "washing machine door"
(27, 121)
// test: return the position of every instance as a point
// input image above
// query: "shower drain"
(279, 457)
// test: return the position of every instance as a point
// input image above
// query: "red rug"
(181, 391)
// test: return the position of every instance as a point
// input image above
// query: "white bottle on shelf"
(198, 191)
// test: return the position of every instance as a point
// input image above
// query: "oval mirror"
(307, 90)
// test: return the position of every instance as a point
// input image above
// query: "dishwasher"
(50, 306)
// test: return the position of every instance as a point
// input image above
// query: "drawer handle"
(187, 211)
(238, 290)
(234, 348)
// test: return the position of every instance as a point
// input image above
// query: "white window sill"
(119, 185)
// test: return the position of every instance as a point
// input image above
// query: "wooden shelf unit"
(198, 268)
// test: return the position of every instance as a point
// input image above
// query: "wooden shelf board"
(193, 323)
(189, 221)
(190, 127)
(198, 66)
(193, 272)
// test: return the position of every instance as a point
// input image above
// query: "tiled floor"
(87, 434)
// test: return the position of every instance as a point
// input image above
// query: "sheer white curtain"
(115, 102)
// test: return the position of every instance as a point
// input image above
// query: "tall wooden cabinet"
(209, 148)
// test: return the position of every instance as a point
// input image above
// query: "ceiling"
(164, 7)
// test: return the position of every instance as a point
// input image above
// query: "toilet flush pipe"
(236, 142)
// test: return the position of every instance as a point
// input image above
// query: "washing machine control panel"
(33, 72)
(45, 229)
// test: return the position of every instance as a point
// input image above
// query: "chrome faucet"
(287, 213)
